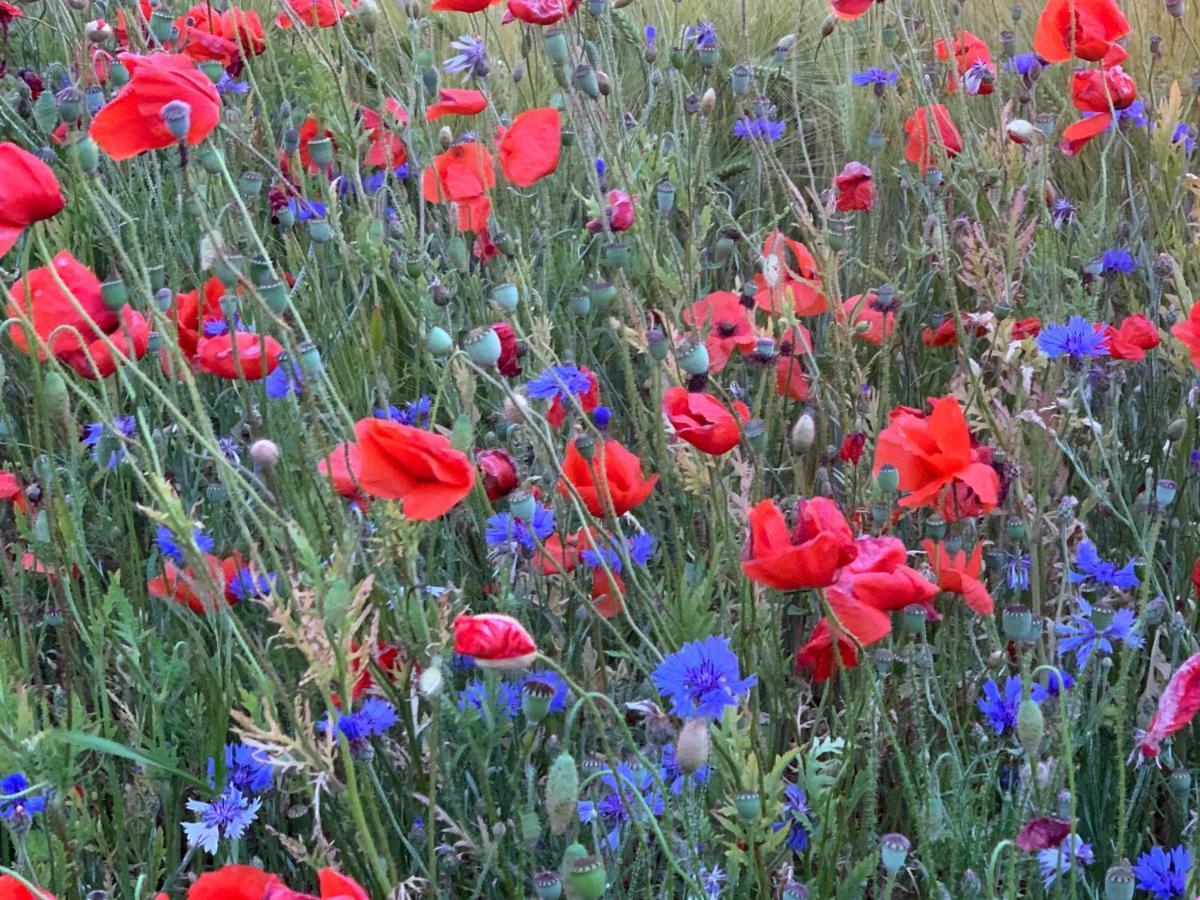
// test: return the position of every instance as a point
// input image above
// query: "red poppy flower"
(608, 593)
(246, 28)
(850, 9)
(947, 334)
(463, 174)
(343, 468)
(313, 13)
(494, 641)
(29, 193)
(619, 213)
(1026, 328)
(558, 555)
(924, 149)
(1091, 91)
(1132, 338)
(1177, 706)
(726, 324)
(202, 35)
(12, 889)
(11, 490)
(703, 421)
(456, 102)
(387, 150)
(467, 6)
(232, 883)
(1086, 29)
(509, 364)
(131, 122)
(238, 355)
(959, 574)
(788, 272)
(851, 450)
(539, 12)
(556, 415)
(191, 314)
(933, 453)
(335, 886)
(75, 336)
(1188, 333)
(855, 188)
(973, 60)
(809, 556)
(200, 593)
(867, 320)
(611, 482)
(1196, 577)
(790, 380)
(499, 473)
(387, 658)
(400, 462)
(529, 149)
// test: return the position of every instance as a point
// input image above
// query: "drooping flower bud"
(1031, 727)
(562, 793)
(804, 432)
(265, 453)
(692, 746)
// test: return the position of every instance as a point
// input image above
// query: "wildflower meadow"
(599, 448)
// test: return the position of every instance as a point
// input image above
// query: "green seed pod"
(1119, 882)
(275, 295)
(748, 806)
(210, 159)
(1016, 622)
(554, 41)
(535, 700)
(1180, 784)
(45, 111)
(586, 879)
(506, 296)
(888, 479)
(1031, 727)
(692, 356)
(562, 793)
(935, 527)
(483, 347)
(912, 619)
(547, 885)
(522, 505)
(585, 80)
(114, 292)
(70, 104)
(438, 342)
(580, 305)
(616, 255)
(319, 230)
(893, 851)
(162, 26)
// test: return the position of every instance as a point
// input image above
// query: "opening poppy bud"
(804, 433)
(430, 682)
(692, 746)
(265, 453)
(1021, 131)
(748, 806)
(831, 22)
(1017, 623)
(692, 356)
(1119, 882)
(1031, 727)
(483, 347)
(547, 885)
(438, 341)
(562, 793)
(893, 851)
(587, 879)
(604, 82)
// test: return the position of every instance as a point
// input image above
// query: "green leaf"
(99, 744)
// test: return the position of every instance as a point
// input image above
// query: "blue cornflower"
(601, 167)
(1052, 688)
(795, 818)
(1083, 637)
(703, 35)
(245, 585)
(651, 35)
(1016, 571)
(702, 679)
(612, 809)
(108, 441)
(674, 776)
(415, 413)
(29, 805)
(1055, 862)
(504, 532)
(506, 700)
(1062, 212)
(226, 817)
(1000, 709)
(602, 416)
(875, 76)
(562, 693)
(287, 379)
(759, 128)
(1027, 65)
(558, 383)
(471, 61)
(1163, 872)
(246, 769)
(1077, 339)
(713, 881)
(227, 85)
(1134, 115)
(1117, 261)
(1093, 570)
(168, 543)
(373, 718)
(304, 209)
(640, 548)
(1188, 136)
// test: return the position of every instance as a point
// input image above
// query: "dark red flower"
(29, 193)
(973, 60)
(499, 473)
(851, 450)
(1091, 92)
(855, 188)
(808, 556)
(530, 147)
(509, 364)
(618, 214)
(703, 421)
(399, 462)
(1042, 833)
(611, 482)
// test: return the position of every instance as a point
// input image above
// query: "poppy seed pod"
(483, 347)
(438, 342)
(748, 806)
(888, 479)
(692, 746)
(1031, 727)
(562, 793)
(893, 851)
(554, 41)
(1119, 882)
(692, 356)
(794, 890)
(739, 79)
(584, 79)
(265, 453)
(162, 26)
(547, 885)
(586, 879)
(1016, 622)
(1175, 9)
(535, 699)
(70, 104)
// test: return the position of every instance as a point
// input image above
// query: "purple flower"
(504, 532)
(1187, 135)
(471, 61)
(1117, 261)
(759, 128)
(703, 35)
(226, 817)
(108, 441)
(613, 810)
(1164, 873)
(795, 818)
(876, 77)
(27, 805)
(1056, 862)
(1094, 570)
(287, 379)
(169, 545)
(506, 700)
(1083, 635)
(1027, 65)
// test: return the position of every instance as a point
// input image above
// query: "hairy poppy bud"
(692, 745)
(1177, 429)
(1031, 727)
(562, 793)
(430, 682)
(265, 453)
(177, 116)
(58, 401)
(804, 433)
(708, 100)
(438, 342)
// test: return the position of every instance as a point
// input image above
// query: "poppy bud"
(483, 346)
(748, 806)
(893, 851)
(438, 342)
(499, 476)
(1119, 882)
(430, 681)
(562, 793)
(586, 879)
(1031, 727)
(692, 746)
(547, 885)
(456, 253)
(554, 41)
(604, 82)
(586, 447)
(830, 23)
(58, 401)
(708, 101)
(265, 453)
(692, 356)
(804, 432)
(584, 79)
(1020, 131)
(1177, 429)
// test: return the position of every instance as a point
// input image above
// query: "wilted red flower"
(789, 272)
(874, 583)
(238, 355)
(703, 421)
(75, 330)
(1091, 91)
(933, 453)
(539, 12)
(957, 573)
(556, 415)
(29, 193)
(420, 468)
(808, 556)
(1026, 328)
(858, 311)
(1085, 29)
(850, 9)
(530, 147)
(925, 149)
(132, 123)
(1132, 338)
(619, 214)
(727, 326)
(855, 188)
(499, 473)
(467, 6)
(973, 60)
(456, 102)
(611, 481)
(1042, 833)
(313, 13)
(12, 889)
(851, 450)
(1188, 333)
(509, 363)
(494, 641)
